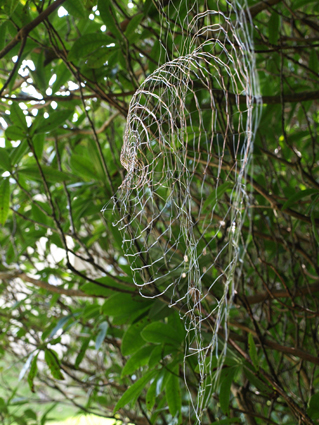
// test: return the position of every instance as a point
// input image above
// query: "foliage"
(71, 316)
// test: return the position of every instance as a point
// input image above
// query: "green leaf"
(133, 392)
(159, 310)
(63, 75)
(224, 394)
(253, 351)
(313, 60)
(139, 359)
(273, 27)
(297, 196)
(63, 321)
(88, 44)
(17, 116)
(260, 385)
(51, 174)
(124, 304)
(151, 395)
(132, 339)
(173, 393)
(26, 366)
(30, 414)
(5, 161)
(227, 421)
(95, 289)
(314, 226)
(14, 133)
(52, 361)
(133, 24)
(107, 14)
(4, 200)
(100, 56)
(147, 6)
(160, 333)
(101, 335)
(82, 167)
(18, 152)
(159, 353)
(216, 195)
(55, 119)
(32, 373)
(39, 215)
(82, 351)
(313, 409)
(76, 8)
(38, 144)
(10, 6)
(43, 420)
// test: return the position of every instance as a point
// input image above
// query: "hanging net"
(187, 148)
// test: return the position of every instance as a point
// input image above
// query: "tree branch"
(258, 298)
(30, 26)
(44, 285)
(259, 7)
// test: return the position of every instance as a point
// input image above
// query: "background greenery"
(72, 323)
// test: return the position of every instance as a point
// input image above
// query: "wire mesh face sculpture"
(187, 147)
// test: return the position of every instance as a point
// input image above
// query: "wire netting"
(187, 149)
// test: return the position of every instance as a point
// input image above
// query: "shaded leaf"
(216, 195)
(51, 174)
(313, 408)
(32, 373)
(81, 353)
(63, 75)
(253, 351)
(132, 339)
(273, 27)
(173, 393)
(88, 44)
(124, 304)
(160, 333)
(55, 119)
(5, 161)
(52, 361)
(18, 152)
(107, 15)
(63, 321)
(133, 24)
(151, 395)
(17, 116)
(14, 133)
(313, 60)
(4, 200)
(101, 335)
(227, 421)
(224, 394)
(82, 167)
(38, 144)
(75, 8)
(26, 366)
(133, 392)
(139, 359)
(297, 196)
